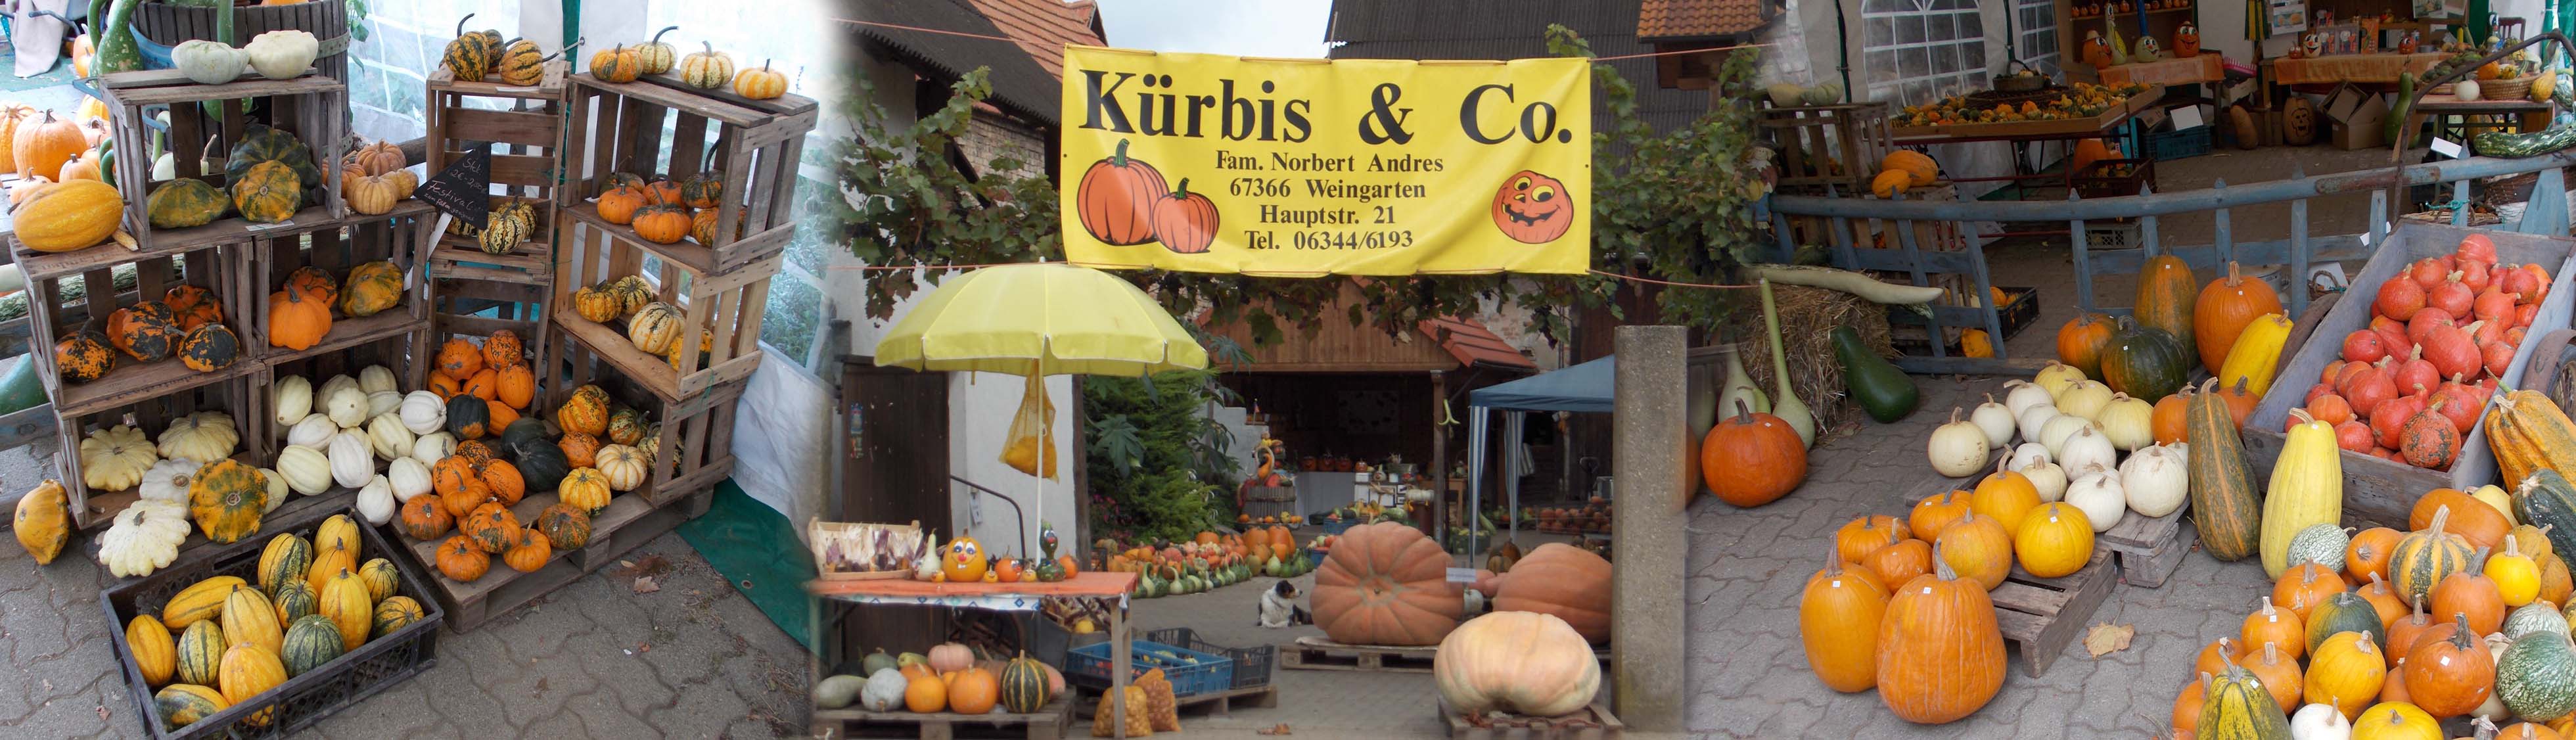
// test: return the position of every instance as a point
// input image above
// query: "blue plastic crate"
(1089, 665)
(1336, 528)
(2190, 142)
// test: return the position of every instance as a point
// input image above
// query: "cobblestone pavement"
(1749, 675)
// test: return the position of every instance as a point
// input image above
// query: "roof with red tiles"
(1693, 19)
(1044, 27)
(1474, 345)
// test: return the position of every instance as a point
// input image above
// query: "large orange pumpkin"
(1940, 655)
(1115, 199)
(2223, 311)
(1567, 581)
(2087, 152)
(2448, 677)
(1752, 459)
(2473, 520)
(1838, 620)
(2081, 341)
(973, 691)
(1386, 584)
(41, 146)
(1978, 549)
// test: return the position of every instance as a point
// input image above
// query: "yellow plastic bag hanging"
(1030, 448)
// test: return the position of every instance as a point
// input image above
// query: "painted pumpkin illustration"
(2095, 51)
(1532, 208)
(1116, 199)
(2186, 41)
(1185, 222)
(2313, 45)
(2145, 50)
(2406, 44)
(963, 560)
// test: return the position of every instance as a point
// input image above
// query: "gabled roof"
(1671, 20)
(1510, 29)
(1020, 86)
(1335, 346)
(1044, 27)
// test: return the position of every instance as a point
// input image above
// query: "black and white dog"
(1279, 606)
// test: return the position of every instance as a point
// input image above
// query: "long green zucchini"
(2560, 134)
(1866, 287)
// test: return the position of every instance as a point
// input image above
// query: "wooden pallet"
(2148, 550)
(1593, 723)
(1217, 703)
(1316, 653)
(627, 522)
(1048, 723)
(2043, 615)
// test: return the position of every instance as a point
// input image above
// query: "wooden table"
(2198, 69)
(2338, 68)
(999, 597)
(2527, 115)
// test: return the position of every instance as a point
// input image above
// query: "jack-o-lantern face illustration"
(1532, 208)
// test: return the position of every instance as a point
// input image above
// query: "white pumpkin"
(409, 477)
(276, 489)
(376, 501)
(351, 462)
(2057, 377)
(376, 379)
(306, 469)
(2046, 478)
(144, 538)
(314, 431)
(380, 403)
(2319, 722)
(113, 459)
(2466, 89)
(2493, 709)
(884, 691)
(388, 438)
(2128, 422)
(2099, 495)
(2155, 481)
(168, 480)
(347, 406)
(1957, 449)
(1996, 421)
(2088, 446)
(433, 447)
(2085, 398)
(208, 62)
(423, 412)
(282, 55)
(205, 436)
(292, 397)
(2020, 395)
(2031, 420)
(2027, 453)
(2054, 434)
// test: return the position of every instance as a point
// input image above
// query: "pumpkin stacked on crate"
(240, 641)
(496, 458)
(512, 103)
(338, 284)
(366, 434)
(949, 677)
(374, 178)
(274, 167)
(2458, 618)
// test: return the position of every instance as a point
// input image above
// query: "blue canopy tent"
(1582, 388)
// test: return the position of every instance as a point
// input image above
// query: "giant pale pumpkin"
(1515, 662)
(2167, 294)
(1940, 654)
(1567, 581)
(2223, 310)
(1386, 584)
(1838, 621)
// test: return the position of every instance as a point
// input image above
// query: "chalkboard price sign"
(463, 189)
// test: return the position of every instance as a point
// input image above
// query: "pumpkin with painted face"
(2094, 51)
(2186, 41)
(1532, 208)
(963, 560)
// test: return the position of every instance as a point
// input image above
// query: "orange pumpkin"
(973, 691)
(504, 480)
(1529, 207)
(2366, 559)
(1940, 656)
(1864, 535)
(484, 384)
(1752, 459)
(1901, 562)
(2476, 521)
(2080, 342)
(1385, 584)
(1937, 512)
(2472, 595)
(459, 359)
(2450, 676)
(1838, 620)
(1979, 549)
(2303, 588)
(2224, 309)
(2165, 421)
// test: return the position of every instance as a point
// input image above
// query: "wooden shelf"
(654, 373)
(166, 242)
(164, 86)
(531, 263)
(130, 383)
(686, 253)
(347, 333)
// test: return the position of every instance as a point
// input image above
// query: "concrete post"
(1651, 428)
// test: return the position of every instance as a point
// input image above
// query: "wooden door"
(894, 469)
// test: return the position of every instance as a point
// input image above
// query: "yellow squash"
(2528, 432)
(2306, 490)
(2256, 358)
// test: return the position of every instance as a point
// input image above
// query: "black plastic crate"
(2111, 178)
(2020, 310)
(1251, 665)
(301, 700)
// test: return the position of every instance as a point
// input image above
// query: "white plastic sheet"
(781, 439)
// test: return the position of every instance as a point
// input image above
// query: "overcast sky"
(1252, 28)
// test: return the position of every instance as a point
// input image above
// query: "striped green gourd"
(294, 600)
(2223, 503)
(2344, 612)
(312, 641)
(392, 614)
(2323, 544)
(2545, 499)
(2536, 677)
(201, 650)
(1024, 685)
(183, 704)
(2422, 558)
(2237, 707)
(285, 559)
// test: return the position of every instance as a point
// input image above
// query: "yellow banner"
(1213, 163)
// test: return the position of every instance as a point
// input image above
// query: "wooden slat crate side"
(696, 440)
(721, 312)
(93, 509)
(313, 112)
(757, 164)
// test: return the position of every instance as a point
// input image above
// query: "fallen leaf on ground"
(1277, 729)
(2107, 638)
(650, 565)
(645, 585)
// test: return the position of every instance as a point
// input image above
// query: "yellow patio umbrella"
(1037, 320)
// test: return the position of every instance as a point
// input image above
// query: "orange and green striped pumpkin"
(380, 577)
(2545, 499)
(1024, 685)
(287, 558)
(2223, 504)
(311, 642)
(2423, 558)
(155, 653)
(565, 527)
(201, 648)
(248, 671)
(295, 600)
(182, 704)
(393, 614)
(2529, 434)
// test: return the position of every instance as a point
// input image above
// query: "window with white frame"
(1919, 51)
(2036, 22)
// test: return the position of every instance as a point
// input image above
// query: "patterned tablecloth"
(997, 596)
(2207, 67)
(2350, 68)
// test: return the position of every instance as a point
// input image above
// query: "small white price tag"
(2447, 148)
(1462, 575)
(265, 227)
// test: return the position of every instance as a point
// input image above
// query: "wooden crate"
(476, 309)
(2041, 616)
(53, 316)
(401, 235)
(1827, 146)
(168, 24)
(2148, 549)
(523, 126)
(1050, 722)
(721, 311)
(2382, 492)
(152, 414)
(696, 437)
(627, 522)
(399, 352)
(314, 108)
(1593, 723)
(621, 127)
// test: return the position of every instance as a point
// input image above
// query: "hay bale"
(1806, 316)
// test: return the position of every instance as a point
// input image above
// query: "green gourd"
(117, 49)
(1790, 410)
(19, 389)
(2560, 134)
(1882, 390)
(2224, 505)
(1738, 386)
(2536, 677)
(2395, 126)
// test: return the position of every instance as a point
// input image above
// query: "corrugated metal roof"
(1020, 86)
(1044, 27)
(1699, 19)
(1511, 29)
